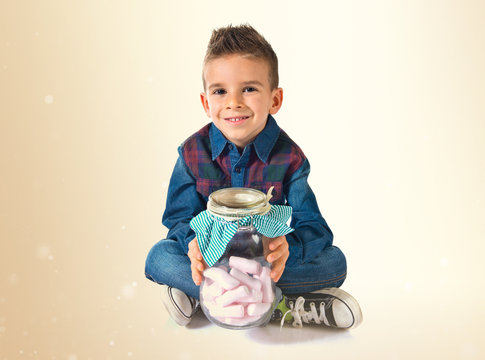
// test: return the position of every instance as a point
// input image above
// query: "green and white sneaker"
(179, 305)
(330, 307)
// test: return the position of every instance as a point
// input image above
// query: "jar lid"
(233, 203)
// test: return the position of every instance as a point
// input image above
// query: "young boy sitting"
(244, 147)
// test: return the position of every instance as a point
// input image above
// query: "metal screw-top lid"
(234, 203)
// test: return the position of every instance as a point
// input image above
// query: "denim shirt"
(186, 198)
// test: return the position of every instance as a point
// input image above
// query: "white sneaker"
(330, 307)
(179, 305)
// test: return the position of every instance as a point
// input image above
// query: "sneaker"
(179, 305)
(331, 307)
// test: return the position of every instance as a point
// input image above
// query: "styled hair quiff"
(243, 40)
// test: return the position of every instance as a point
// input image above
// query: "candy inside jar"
(233, 235)
(238, 292)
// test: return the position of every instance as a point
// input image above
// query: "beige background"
(386, 98)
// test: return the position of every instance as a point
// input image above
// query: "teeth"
(237, 119)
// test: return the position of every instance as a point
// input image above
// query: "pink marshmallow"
(232, 296)
(221, 277)
(246, 279)
(211, 291)
(233, 311)
(256, 296)
(245, 265)
(258, 309)
(265, 278)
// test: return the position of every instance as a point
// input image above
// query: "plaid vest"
(285, 158)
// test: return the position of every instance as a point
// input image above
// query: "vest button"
(238, 170)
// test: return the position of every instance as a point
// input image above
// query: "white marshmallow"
(211, 291)
(245, 265)
(265, 278)
(234, 311)
(258, 309)
(232, 296)
(256, 296)
(221, 277)
(246, 279)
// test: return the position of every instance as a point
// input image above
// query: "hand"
(277, 256)
(197, 263)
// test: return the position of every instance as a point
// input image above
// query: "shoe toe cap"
(342, 314)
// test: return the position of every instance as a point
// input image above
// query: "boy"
(244, 147)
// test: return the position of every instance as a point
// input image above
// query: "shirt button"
(230, 146)
(238, 170)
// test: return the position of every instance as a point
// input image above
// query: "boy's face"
(238, 96)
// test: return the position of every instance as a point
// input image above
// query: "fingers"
(278, 266)
(277, 270)
(197, 267)
(194, 252)
(277, 242)
(277, 257)
(197, 264)
(279, 248)
(196, 274)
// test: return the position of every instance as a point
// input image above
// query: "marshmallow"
(232, 311)
(221, 277)
(211, 291)
(256, 296)
(238, 298)
(264, 276)
(246, 279)
(232, 296)
(245, 265)
(258, 309)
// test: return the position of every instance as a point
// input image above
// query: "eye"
(250, 89)
(219, 92)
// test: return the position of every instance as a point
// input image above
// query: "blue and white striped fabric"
(214, 233)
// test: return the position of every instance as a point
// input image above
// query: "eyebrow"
(253, 82)
(250, 82)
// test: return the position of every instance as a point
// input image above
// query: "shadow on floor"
(199, 321)
(271, 334)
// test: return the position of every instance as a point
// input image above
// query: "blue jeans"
(167, 264)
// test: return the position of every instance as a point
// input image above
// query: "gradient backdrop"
(386, 98)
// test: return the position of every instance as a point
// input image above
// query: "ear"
(205, 103)
(277, 100)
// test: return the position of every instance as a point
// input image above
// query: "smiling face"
(238, 96)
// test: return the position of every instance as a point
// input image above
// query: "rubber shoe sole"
(179, 305)
(347, 312)
(341, 310)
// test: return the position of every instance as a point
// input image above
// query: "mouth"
(236, 119)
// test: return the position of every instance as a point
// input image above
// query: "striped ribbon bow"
(214, 233)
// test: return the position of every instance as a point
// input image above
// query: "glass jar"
(237, 292)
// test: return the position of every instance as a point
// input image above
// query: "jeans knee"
(153, 260)
(340, 262)
(166, 260)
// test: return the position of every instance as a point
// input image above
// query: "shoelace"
(300, 314)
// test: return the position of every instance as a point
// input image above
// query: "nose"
(233, 100)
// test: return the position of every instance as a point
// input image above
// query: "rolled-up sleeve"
(183, 203)
(312, 233)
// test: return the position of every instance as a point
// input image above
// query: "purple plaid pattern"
(285, 158)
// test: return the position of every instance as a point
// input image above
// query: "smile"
(236, 119)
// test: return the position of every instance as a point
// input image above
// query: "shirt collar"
(263, 143)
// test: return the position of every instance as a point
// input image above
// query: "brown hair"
(244, 40)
